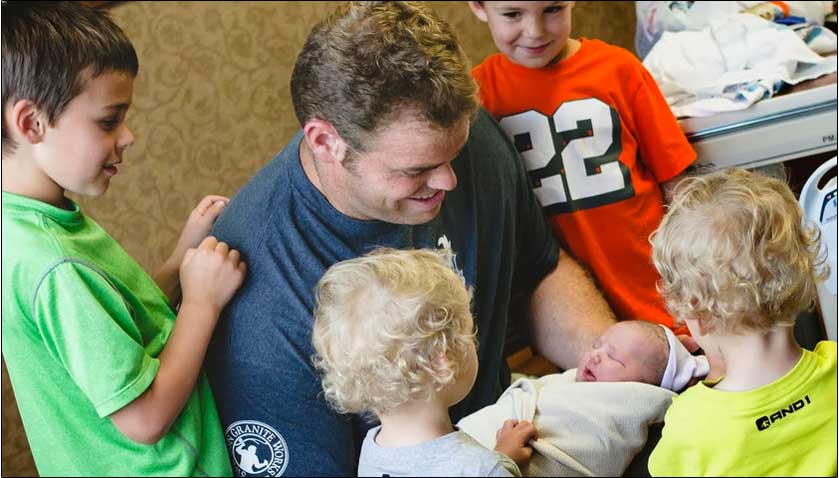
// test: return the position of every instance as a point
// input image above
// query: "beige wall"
(211, 106)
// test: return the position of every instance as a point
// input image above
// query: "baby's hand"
(197, 226)
(211, 274)
(511, 440)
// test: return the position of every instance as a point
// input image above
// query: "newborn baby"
(640, 351)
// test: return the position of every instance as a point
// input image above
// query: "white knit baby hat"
(681, 365)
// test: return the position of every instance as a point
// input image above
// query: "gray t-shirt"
(455, 454)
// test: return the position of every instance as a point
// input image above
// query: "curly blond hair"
(734, 249)
(383, 323)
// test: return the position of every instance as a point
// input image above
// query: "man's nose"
(443, 178)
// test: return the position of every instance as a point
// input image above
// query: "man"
(392, 152)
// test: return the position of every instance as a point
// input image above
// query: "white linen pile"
(731, 64)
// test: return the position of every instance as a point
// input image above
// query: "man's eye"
(511, 15)
(554, 9)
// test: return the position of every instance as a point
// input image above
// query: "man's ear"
(27, 121)
(324, 141)
(478, 10)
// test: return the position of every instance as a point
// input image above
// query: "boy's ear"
(478, 10)
(442, 362)
(324, 141)
(28, 121)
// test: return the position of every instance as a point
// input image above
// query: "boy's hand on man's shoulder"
(198, 225)
(211, 274)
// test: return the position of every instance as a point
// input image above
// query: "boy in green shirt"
(107, 381)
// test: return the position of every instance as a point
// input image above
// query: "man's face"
(404, 175)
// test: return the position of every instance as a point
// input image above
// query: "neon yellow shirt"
(82, 328)
(785, 428)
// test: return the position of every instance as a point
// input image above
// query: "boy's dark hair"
(47, 48)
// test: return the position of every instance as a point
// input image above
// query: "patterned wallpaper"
(211, 106)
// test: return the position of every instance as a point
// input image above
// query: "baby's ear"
(478, 10)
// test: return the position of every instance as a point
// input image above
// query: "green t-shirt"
(785, 428)
(82, 328)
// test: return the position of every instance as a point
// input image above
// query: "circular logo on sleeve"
(256, 449)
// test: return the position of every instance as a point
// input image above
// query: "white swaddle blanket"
(585, 428)
(731, 64)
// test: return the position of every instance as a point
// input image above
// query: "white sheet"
(731, 64)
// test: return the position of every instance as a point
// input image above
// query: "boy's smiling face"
(531, 34)
(81, 150)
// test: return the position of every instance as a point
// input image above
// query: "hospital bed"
(796, 124)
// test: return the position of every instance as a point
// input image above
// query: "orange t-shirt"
(597, 138)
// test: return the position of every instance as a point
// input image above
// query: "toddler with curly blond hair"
(738, 263)
(394, 341)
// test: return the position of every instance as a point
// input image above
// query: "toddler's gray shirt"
(454, 454)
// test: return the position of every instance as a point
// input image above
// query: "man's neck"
(755, 360)
(414, 423)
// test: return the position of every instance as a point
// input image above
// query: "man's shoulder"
(256, 203)
(486, 137)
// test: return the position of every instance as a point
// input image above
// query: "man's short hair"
(50, 50)
(734, 249)
(383, 322)
(370, 62)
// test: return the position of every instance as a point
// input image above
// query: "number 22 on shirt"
(572, 155)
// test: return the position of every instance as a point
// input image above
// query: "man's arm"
(259, 367)
(567, 313)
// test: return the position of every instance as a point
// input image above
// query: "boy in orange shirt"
(597, 138)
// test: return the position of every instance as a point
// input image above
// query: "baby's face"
(617, 356)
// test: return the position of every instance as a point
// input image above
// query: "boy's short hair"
(383, 322)
(734, 249)
(50, 50)
(369, 62)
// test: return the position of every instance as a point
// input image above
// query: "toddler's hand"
(511, 440)
(197, 226)
(211, 274)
